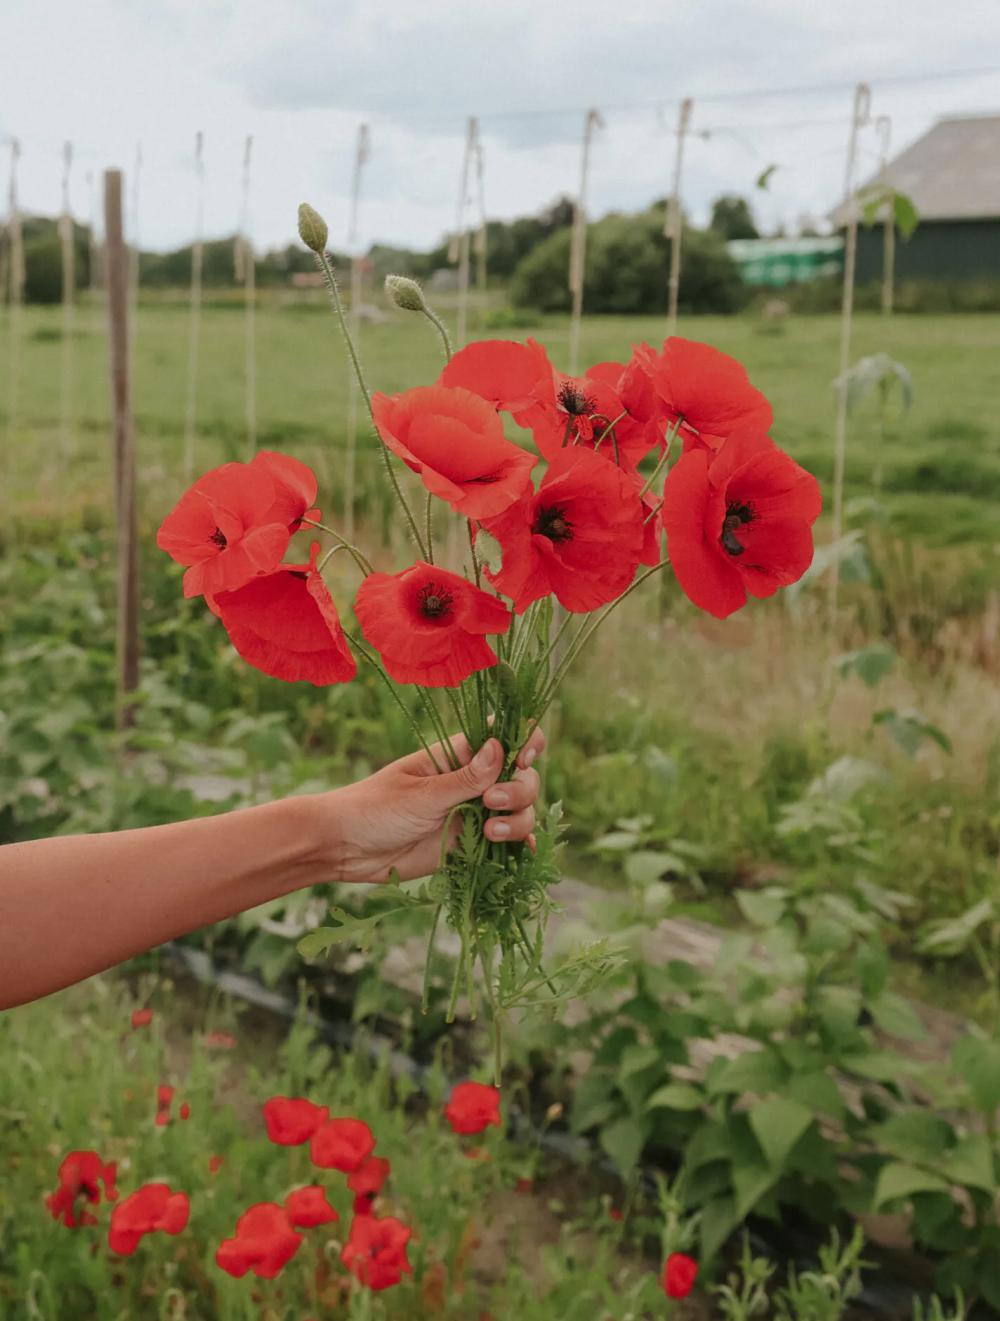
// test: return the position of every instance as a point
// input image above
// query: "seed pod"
(405, 293)
(312, 228)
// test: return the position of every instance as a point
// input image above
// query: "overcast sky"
(300, 75)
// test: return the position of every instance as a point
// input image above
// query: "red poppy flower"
(473, 1106)
(292, 1120)
(502, 371)
(429, 625)
(308, 1207)
(616, 1214)
(285, 624)
(375, 1251)
(294, 488)
(341, 1144)
(264, 1243)
(679, 1275)
(588, 410)
(707, 391)
(579, 536)
(164, 1100)
(738, 521)
(228, 527)
(215, 1164)
(185, 1111)
(220, 1041)
(368, 1178)
(80, 1176)
(150, 1208)
(455, 441)
(142, 1017)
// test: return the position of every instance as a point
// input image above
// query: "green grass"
(941, 462)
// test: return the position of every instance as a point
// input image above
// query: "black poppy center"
(435, 601)
(574, 401)
(219, 537)
(736, 516)
(553, 523)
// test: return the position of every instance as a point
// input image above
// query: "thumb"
(470, 781)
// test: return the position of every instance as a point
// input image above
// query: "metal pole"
(674, 226)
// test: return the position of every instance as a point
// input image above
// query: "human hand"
(393, 819)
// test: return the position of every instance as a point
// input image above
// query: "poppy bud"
(405, 293)
(312, 228)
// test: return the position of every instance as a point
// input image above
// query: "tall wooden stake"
(859, 117)
(247, 270)
(578, 241)
(15, 301)
(117, 274)
(883, 127)
(132, 232)
(362, 151)
(674, 226)
(461, 242)
(68, 247)
(479, 245)
(93, 243)
(194, 323)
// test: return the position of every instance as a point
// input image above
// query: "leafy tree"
(733, 218)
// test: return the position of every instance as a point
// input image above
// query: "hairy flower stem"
(363, 652)
(363, 563)
(439, 326)
(429, 523)
(323, 262)
(670, 437)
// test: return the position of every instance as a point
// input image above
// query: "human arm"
(74, 905)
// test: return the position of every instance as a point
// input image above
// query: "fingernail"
(499, 829)
(530, 756)
(486, 756)
(496, 798)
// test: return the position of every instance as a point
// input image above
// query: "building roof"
(951, 173)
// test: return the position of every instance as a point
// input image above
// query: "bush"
(626, 270)
(928, 296)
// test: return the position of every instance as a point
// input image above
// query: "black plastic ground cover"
(889, 1293)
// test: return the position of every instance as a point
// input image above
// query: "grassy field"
(941, 462)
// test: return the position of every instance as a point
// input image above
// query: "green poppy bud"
(312, 228)
(405, 293)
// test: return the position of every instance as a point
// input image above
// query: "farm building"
(952, 176)
(779, 262)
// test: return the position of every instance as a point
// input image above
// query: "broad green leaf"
(718, 1220)
(753, 1071)
(909, 729)
(895, 1015)
(978, 1061)
(646, 866)
(818, 1091)
(623, 1141)
(905, 214)
(871, 664)
(897, 1181)
(636, 1058)
(838, 1008)
(615, 841)
(949, 938)
(751, 1183)
(778, 1123)
(972, 1162)
(763, 908)
(676, 1096)
(915, 1135)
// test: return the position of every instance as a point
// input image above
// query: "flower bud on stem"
(409, 296)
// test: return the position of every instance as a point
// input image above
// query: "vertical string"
(133, 262)
(15, 300)
(578, 241)
(480, 244)
(362, 151)
(247, 263)
(859, 117)
(194, 320)
(68, 250)
(883, 127)
(459, 248)
(674, 226)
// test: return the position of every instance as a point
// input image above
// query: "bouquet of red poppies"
(562, 524)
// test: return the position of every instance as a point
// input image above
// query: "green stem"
(362, 561)
(425, 994)
(439, 326)
(671, 434)
(435, 718)
(363, 652)
(476, 568)
(323, 262)
(428, 521)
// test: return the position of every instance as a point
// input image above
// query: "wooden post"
(194, 323)
(132, 231)
(480, 239)
(68, 249)
(883, 127)
(578, 241)
(248, 265)
(94, 247)
(15, 301)
(674, 226)
(117, 274)
(460, 246)
(362, 151)
(859, 117)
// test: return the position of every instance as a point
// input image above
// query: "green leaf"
(623, 1141)
(778, 1123)
(838, 1008)
(909, 729)
(751, 1183)
(978, 1061)
(763, 908)
(351, 929)
(718, 1220)
(764, 178)
(818, 1091)
(753, 1071)
(905, 214)
(635, 1058)
(615, 841)
(949, 938)
(870, 664)
(675, 1096)
(898, 1181)
(915, 1135)
(895, 1015)
(971, 1162)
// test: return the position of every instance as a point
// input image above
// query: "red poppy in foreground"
(308, 1207)
(503, 372)
(579, 536)
(429, 625)
(455, 441)
(341, 1144)
(375, 1252)
(739, 521)
(368, 1178)
(707, 391)
(80, 1176)
(264, 1243)
(291, 1120)
(142, 1017)
(589, 410)
(235, 522)
(150, 1208)
(679, 1275)
(472, 1107)
(286, 624)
